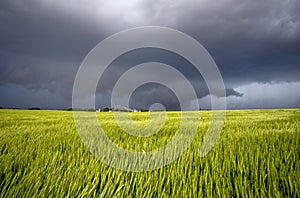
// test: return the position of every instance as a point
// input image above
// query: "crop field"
(257, 155)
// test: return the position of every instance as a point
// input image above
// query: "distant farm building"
(121, 108)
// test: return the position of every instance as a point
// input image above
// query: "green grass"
(257, 155)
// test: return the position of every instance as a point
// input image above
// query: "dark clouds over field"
(256, 45)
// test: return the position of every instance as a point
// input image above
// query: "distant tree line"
(34, 108)
(105, 109)
(79, 109)
(30, 108)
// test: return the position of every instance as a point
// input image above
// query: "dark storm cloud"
(249, 40)
(149, 93)
(42, 47)
(42, 43)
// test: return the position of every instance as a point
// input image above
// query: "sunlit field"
(257, 155)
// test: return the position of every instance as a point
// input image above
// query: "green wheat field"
(257, 155)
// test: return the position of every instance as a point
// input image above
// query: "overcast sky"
(255, 43)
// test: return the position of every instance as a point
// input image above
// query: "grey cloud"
(42, 43)
(42, 48)
(267, 95)
(232, 92)
(149, 94)
(248, 39)
(17, 96)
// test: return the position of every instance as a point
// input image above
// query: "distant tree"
(79, 109)
(106, 109)
(1, 107)
(34, 108)
(144, 110)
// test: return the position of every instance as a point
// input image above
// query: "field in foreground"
(257, 155)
